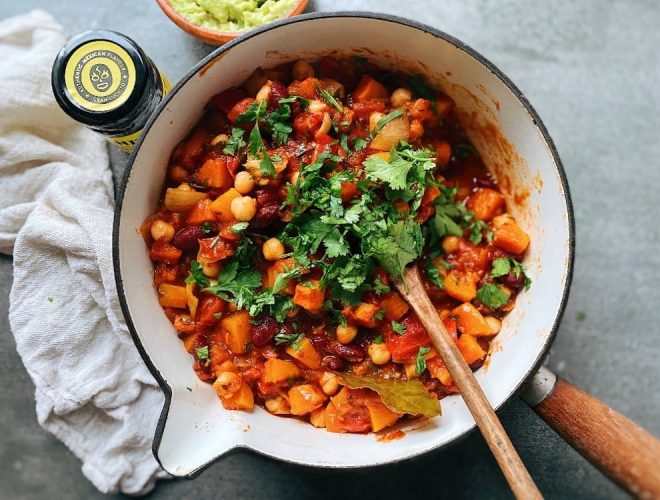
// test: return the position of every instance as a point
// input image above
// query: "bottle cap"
(99, 76)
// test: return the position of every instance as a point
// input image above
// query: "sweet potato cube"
(172, 296)
(380, 415)
(470, 348)
(278, 370)
(222, 205)
(214, 173)
(365, 314)
(486, 203)
(304, 352)
(201, 212)
(369, 89)
(395, 307)
(438, 370)
(236, 331)
(189, 341)
(509, 236)
(278, 267)
(461, 286)
(470, 321)
(243, 399)
(309, 297)
(305, 398)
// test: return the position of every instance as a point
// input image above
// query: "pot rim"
(162, 382)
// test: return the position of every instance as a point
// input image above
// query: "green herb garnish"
(492, 296)
(420, 362)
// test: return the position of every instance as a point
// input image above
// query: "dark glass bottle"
(105, 80)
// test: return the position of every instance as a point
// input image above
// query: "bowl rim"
(211, 36)
(162, 382)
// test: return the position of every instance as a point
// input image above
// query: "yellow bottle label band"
(100, 76)
(126, 142)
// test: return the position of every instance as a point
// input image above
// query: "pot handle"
(622, 450)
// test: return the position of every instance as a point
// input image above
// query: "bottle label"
(100, 76)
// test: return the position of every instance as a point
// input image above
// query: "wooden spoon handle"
(621, 449)
(512, 466)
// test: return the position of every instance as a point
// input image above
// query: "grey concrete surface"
(591, 69)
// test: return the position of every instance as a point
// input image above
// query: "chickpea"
(301, 70)
(219, 138)
(374, 118)
(243, 208)
(317, 106)
(451, 243)
(329, 383)
(317, 417)
(184, 187)
(346, 334)
(272, 249)
(264, 93)
(278, 405)
(400, 97)
(178, 174)
(244, 183)
(325, 124)
(161, 230)
(211, 270)
(379, 354)
(494, 324)
(227, 384)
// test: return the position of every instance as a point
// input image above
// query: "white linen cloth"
(92, 389)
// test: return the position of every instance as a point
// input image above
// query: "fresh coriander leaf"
(282, 307)
(492, 296)
(253, 113)
(393, 173)
(501, 267)
(235, 141)
(290, 338)
(291, 99)
(385, 120)
(203, 354)
(335, 315)
(398, 328)
(445, 226)
(359, 144)
(380, 287)
(266, 166)
(197, 275)
(477, 228)
(402, 245)
(434, 275)
(378, 339)
(50, 298)
(419, 85)
(217, 315)
(239, 227)
(379, 315)
(278, 122)
(580, 315)
(343, 142)
(329, 98)
(281, 132)
(206, 227)
(420, 362)
(283, 279)
(402, 396)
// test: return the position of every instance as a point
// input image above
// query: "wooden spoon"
(521, 483)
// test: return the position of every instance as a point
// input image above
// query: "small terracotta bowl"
(210, 36)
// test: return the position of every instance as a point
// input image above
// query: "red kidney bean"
(352, 353)
(263, 331)
(265, 196)
(513, 281)
(320, 342)
(186, 238)
(277, 91)
(266, 216)
(331, 362)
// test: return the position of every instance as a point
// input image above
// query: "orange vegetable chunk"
(236, 331)
(369, 89)
(509, 236)
(201, 212)
(305, 353)
(395, 307)
(470, 348)
(461, 285)
(470, 320)
(486, 203)
(243, 399)
(380, 415)
(222, 205)
(309, 297)
(278, 370)
(214, 173)
(305, 398)
(173, 296)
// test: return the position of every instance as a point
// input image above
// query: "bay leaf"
(403, 396)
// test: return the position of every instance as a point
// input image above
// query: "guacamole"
(232, 15)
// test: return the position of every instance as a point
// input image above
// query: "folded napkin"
(92, 389)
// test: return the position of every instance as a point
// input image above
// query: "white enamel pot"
(194, 429)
